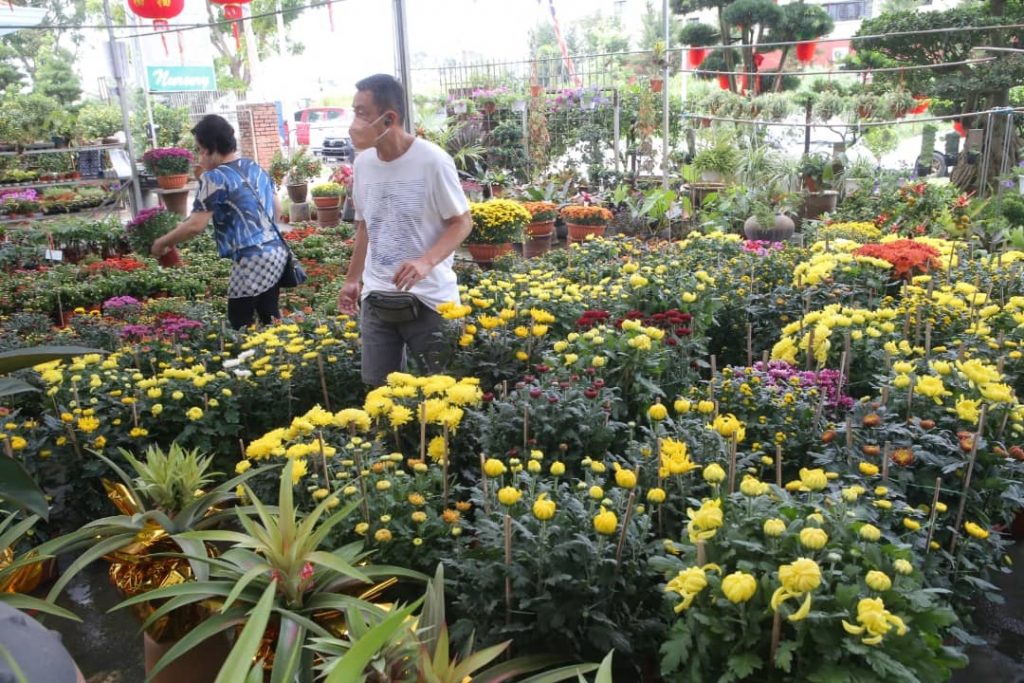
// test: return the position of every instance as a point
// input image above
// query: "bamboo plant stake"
(323, 381)
(967, 479)
(934, 513)
(886, 456)
(778, 465)
(483, 482)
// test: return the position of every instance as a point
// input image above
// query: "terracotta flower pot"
(657, 84)
(327, 202)
(172, 182)
(171, 259)
(578, 233)
(536, 90)
(537, 246)
(541, 229)
(327, 217)
(486, 253)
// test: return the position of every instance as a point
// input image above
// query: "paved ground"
(108, 647)
(1002, 660)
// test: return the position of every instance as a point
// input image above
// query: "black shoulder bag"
(293, 274)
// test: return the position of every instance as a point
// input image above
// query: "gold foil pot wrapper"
(27, 577)
(137, 568)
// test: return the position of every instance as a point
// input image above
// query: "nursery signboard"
(180, 78)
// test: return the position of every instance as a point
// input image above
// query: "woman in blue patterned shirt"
(239, 197)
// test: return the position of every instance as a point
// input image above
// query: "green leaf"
(784, 655)
(19, 359)
(349, 668)
(565, 673)
(236, 666)
(514, 668)
(742, 665)
(10, 386)
(20, 601)
(18, 487)
(9, 537)
(288, 654)
(604, 674)
(331, 561)
(242, 583)
(94, 553)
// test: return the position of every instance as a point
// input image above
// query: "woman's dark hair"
(388, 93)
(215, 134)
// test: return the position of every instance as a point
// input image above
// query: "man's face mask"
(360, 132)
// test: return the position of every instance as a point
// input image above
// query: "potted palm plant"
(275, 587)
(497, 223)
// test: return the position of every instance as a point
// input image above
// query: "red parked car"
(313, 124)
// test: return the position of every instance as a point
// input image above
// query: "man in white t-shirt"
(411, 214)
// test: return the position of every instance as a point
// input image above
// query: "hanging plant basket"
(805, 51)
(695, 56)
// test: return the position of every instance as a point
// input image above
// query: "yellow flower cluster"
(821, 267)
(874, 622)
(497, 220)
(856, 231)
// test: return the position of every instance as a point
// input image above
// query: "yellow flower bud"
(878, 581)
(605, 522)
(739, 587)
(509, 495)
(543, 509)
(656, 495)
(774, 527)
(813, 538)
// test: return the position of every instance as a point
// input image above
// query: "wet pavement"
(1001, 660)
(108, 647)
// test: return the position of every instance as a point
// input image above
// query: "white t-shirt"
(404, 203)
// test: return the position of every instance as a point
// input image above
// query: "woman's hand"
(159, 247)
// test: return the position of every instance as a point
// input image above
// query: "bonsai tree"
(303, 167)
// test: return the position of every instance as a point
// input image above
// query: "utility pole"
(117, 65)
(666, 24)
(402, 60)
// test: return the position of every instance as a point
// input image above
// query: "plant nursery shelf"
(56, 150)
(58, 183)
(105, 208)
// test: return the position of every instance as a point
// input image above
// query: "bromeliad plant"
(165, 161)
(277, 586)
(159, 506)
(422, 653)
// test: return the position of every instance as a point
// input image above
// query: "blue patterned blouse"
(239, 222)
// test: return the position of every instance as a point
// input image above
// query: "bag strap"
(259, 202)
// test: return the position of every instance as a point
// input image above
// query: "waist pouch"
(394, 307)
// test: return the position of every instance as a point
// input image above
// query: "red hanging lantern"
(805, 51)
(232, 12)
(922, 104)
(723, 81)
(695, 56)
(160, 11)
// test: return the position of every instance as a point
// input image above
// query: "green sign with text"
(180, 78)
